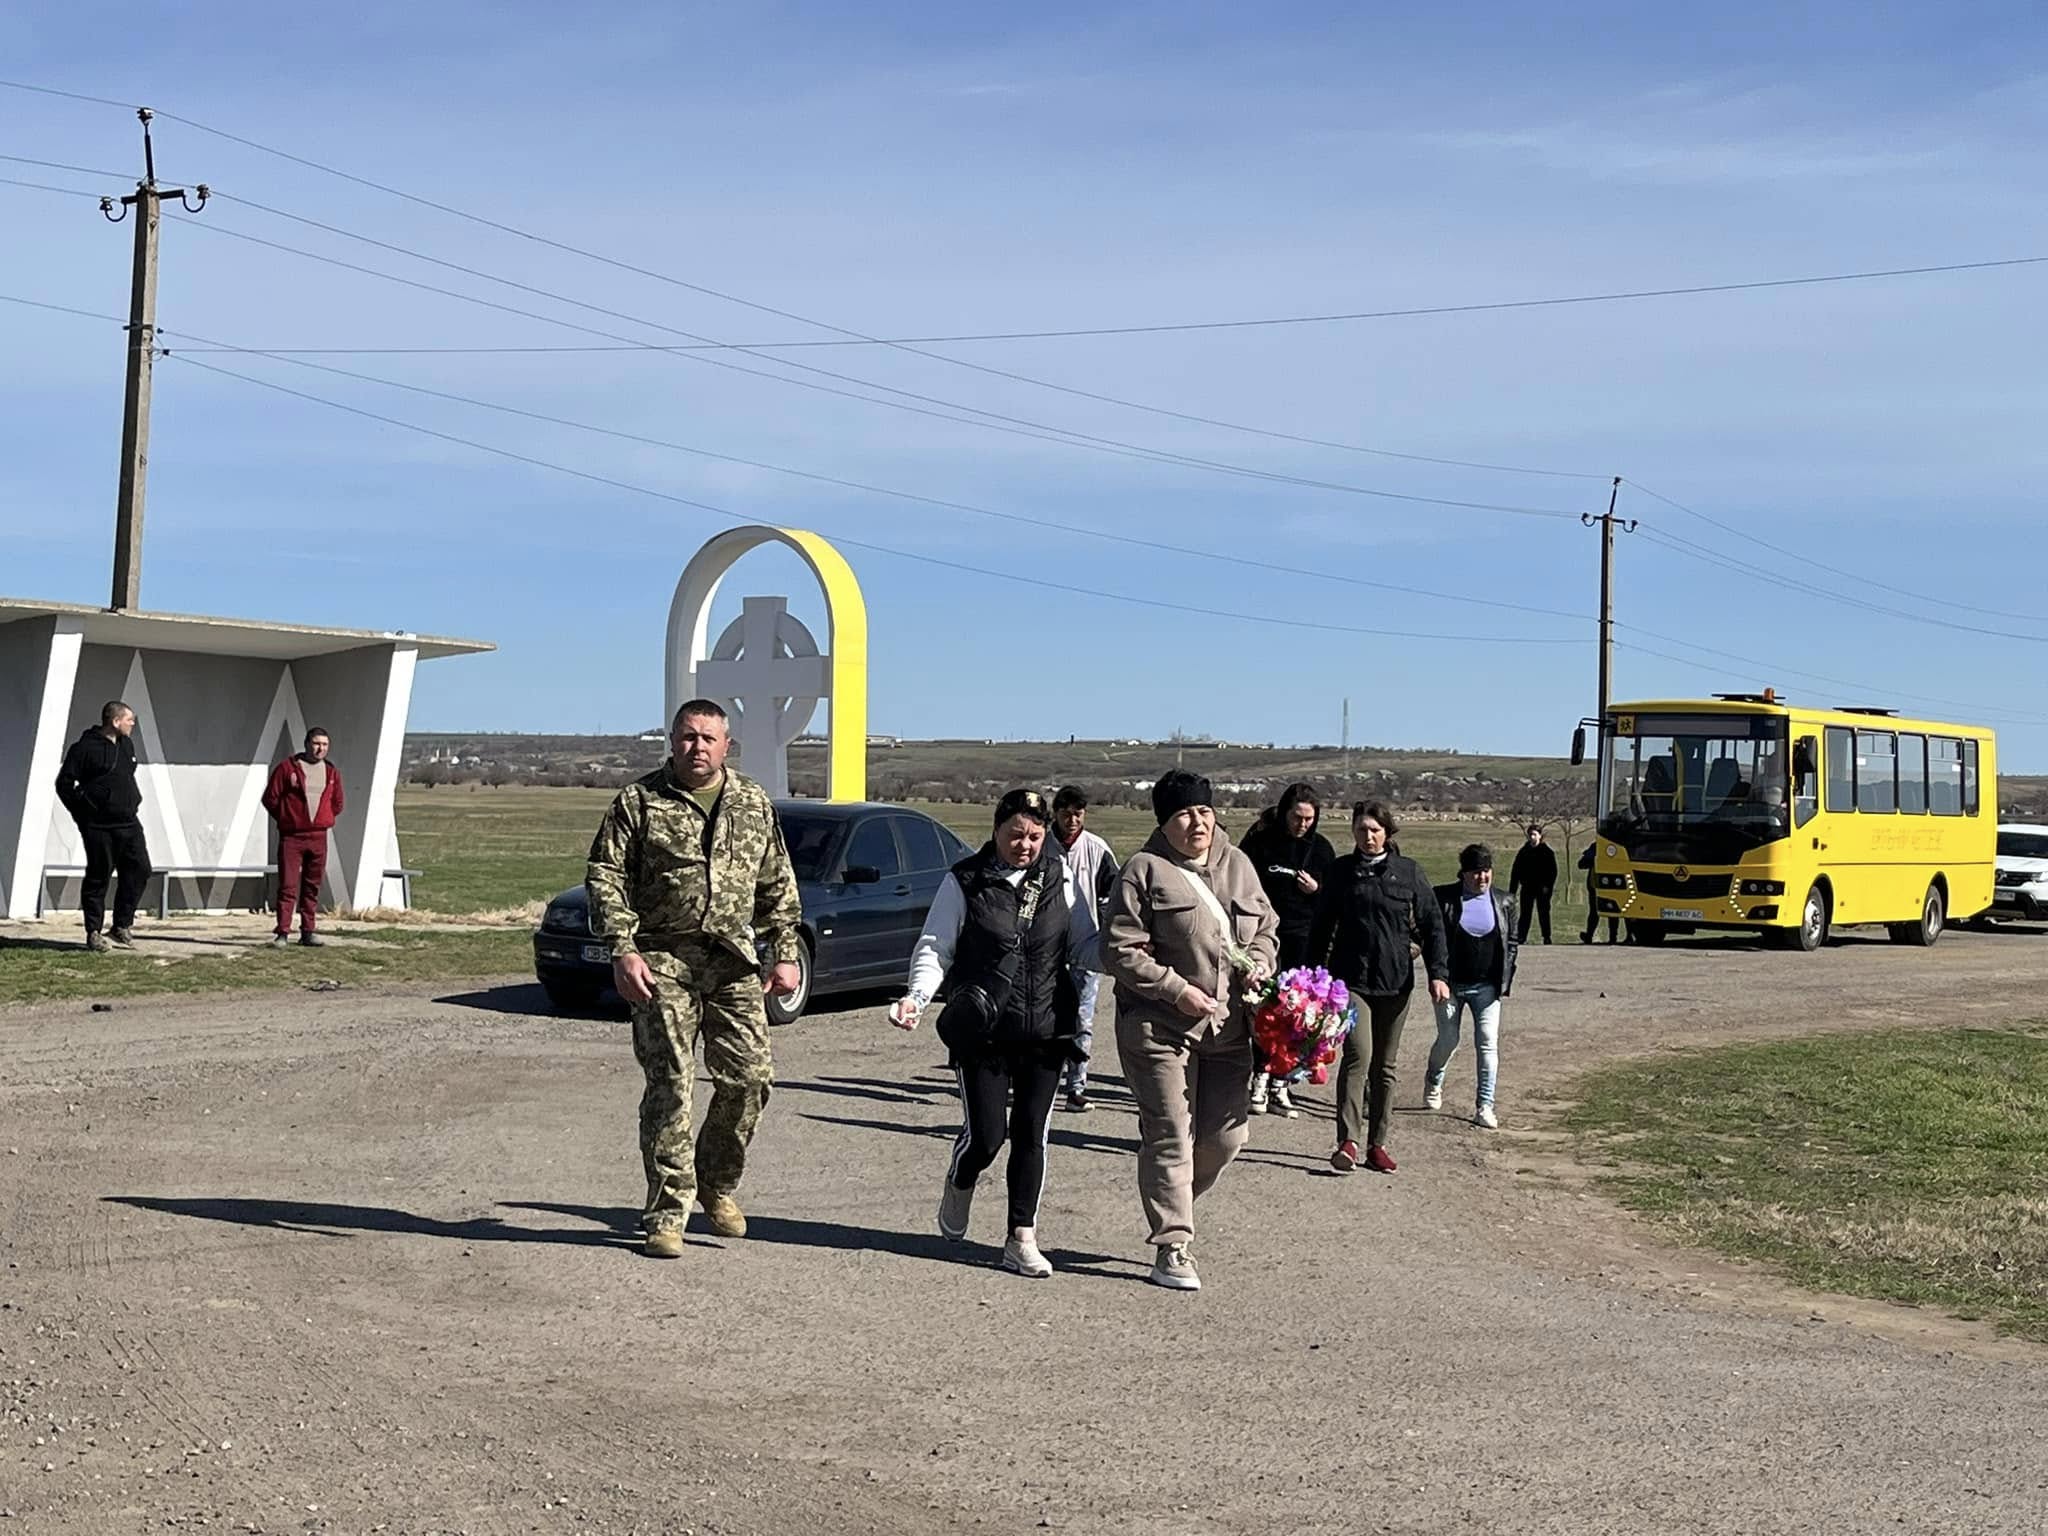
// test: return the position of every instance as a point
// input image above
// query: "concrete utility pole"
(1347, 741)
(1607, 523)
(147, 202)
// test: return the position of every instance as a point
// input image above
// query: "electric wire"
(933, 406)
(725, 514)
(59, 165)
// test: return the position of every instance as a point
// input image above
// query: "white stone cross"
(768, 674)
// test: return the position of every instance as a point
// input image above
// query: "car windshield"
(1715, 776)
(810, 839)
(2023, 845)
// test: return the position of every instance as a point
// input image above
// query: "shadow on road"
(528, 998)
(1062, 1136)
(324, 1219)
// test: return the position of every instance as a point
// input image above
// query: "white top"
(933, 956)
(1475, 916)
(1085, 859)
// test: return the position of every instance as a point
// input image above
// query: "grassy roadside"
(1905, 1166)
(40, 971)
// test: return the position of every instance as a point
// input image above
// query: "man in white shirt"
(1094, 870)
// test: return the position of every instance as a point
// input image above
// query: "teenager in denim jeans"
(1480, 926)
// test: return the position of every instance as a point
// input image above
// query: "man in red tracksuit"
(303, 798)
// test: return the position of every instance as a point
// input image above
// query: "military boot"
(723, 1215)
(123, 937)
(97, 943)
(665, 1243)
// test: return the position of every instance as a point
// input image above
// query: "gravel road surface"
(361, 1261)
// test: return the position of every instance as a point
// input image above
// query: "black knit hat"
(1178, 790)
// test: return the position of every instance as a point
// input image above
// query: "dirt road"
(355, 1262)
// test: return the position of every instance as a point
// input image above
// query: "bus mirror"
(1578, 746)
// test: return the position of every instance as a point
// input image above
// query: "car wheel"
(1814, 921)
(1933, 918)
(570, 996)
(787, 1010)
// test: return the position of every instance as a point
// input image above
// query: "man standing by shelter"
(97, 786)
(687, 872)
(1531, 882)
(303, 797)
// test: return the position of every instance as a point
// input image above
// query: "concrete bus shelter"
(218, 703)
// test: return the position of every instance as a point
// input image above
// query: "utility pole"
(147, 203)
(1347, 741)
(1607, 522)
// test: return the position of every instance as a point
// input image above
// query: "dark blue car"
(866, 875)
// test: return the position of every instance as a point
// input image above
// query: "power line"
(1235, 561)
(58, 165)
(43, 186)
(991, 420)
(1009, 577)
(61, 309)
(1691, 550)
(1822, 565)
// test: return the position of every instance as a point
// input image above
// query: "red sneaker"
(1381, 1159)
(1345, 1158)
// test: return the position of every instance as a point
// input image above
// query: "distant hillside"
(1433, 780)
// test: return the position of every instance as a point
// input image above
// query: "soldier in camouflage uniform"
(688, 869)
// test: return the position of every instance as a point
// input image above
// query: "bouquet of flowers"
(1299, 1021)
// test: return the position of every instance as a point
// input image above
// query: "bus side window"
(1841, 768)
(1945, 776)
(1913, 774)
(1969, 778)
(1806, 776)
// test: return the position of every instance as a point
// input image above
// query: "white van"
(2020, 887)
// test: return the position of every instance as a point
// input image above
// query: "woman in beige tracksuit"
(1187, 932)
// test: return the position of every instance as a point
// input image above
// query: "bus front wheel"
(1814, 919)
(1933, 918)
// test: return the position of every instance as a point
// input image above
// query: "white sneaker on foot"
(1283, 1103)
(1174, 1267)
(1021, 1256)
(954, 1207)
(1259, 1090)
(1485, 1118)
(1433, 1095)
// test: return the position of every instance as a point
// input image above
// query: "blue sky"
(912, 170)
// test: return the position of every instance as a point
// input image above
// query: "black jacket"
(97, 782)
(1497, 969)
(1276, 857)
(1022, 967)
(1535, 868)
(1364, 922)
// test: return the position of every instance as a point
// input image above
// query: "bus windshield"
(1705, 784)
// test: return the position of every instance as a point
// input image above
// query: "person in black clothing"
(1006, 934)
(1293, 859)
(1531, 881)
(1593, 904)
(1372, 902)
(97, 786)
(1477, 925)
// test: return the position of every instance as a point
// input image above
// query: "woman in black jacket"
(1293, 860)
(1005, 939)
(1373, 902)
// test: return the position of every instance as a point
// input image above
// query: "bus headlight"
(1762, 887)
(1611, 882)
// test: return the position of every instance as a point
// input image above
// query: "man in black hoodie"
(97, 786)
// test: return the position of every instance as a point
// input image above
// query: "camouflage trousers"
(710, 995)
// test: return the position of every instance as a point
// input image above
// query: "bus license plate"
(597, 954)
(1694, 913)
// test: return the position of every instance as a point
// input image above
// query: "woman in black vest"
(1003, 941)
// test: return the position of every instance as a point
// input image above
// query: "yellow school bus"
(1744, 811)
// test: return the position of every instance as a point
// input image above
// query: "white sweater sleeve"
(933, 956)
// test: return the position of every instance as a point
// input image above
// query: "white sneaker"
(1259, 1087)
(1283, 1103)
(954, 1208)
(1433, 1095)
(1485, 1118)
(1021, 1256)
(1174, 1267)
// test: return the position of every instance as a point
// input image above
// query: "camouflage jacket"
(661, 872)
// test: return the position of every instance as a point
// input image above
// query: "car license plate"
(597, 954)
(1694, 913)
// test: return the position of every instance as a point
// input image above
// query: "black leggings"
(1006, 1094)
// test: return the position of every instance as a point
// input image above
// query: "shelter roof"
(227, 637)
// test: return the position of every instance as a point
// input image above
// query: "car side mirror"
(861, 874)
(1578, 746)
